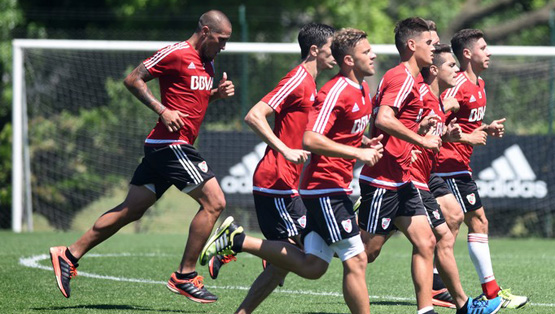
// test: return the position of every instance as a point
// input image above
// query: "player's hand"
(370, 156)
(430, 141)
(225, 88)
(297, 156)
(375, 143)
(453, 131)
(427, 123)
(496, 128)
(414, 155)
(451, 104)
(478, 136)
(173, 119)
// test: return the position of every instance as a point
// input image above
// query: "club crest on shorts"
(203, 166)
(385, 223)
(436, 214)
(302, 221)
(471, 198)
(347, 225)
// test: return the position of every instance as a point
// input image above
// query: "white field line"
(33, 262)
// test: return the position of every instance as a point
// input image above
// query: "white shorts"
(345, 249)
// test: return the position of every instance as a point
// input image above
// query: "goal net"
(78, 132)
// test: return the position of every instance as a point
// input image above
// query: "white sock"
(478, 248)
(425, 310)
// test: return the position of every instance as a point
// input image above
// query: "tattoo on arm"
(136, 84)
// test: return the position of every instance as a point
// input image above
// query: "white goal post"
(21, 175)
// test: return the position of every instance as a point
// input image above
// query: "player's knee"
(215, 205)
(314, 269)
(426, 244)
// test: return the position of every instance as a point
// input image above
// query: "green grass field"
(127, 274)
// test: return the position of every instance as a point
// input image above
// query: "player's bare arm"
(496, 128)
(257, 120)
(322, 145)
(388, 122)
(136, 84)
(225, 89)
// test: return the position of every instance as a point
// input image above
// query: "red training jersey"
(421, 169)
(185, 85)
(454, 158)
(398, 89)
(341, 112)
(291, 100)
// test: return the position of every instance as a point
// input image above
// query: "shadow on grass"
(392, 303)
(112, 307)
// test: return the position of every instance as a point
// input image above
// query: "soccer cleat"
(443, 298)
(480, 306)
(216, 262)
(221, 242)
(64, 269)
(193, 289)
(510, 300)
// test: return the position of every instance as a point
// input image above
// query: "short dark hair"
(344, 41)
(465, 39)
(408, 29)
(432, 25)
(313, 34)
(438, 60)
(214, 19)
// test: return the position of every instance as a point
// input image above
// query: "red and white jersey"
(454, 158)
(291, 101)
(398, 89)
(421, 169)
(341, 112)
(185, 85)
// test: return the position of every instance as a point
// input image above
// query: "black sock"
(438, 283)
(72, 258)
(238, 240)
(463, 310)
(190, 275)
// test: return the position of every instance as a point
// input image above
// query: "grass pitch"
(127, 274)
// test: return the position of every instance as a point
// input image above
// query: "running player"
(437, 78)
(279, 208)
(333, 135)
(185, 71)
(389, 200)
(471, 50)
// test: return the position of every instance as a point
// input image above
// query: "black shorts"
(466, 192)
(379, 207)
(435, 216)
(332, 217)
(280, 217)
(179, 165)
(437, 186)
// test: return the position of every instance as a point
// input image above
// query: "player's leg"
(450, 208)
(355, 290)
(138, 200)
(412, 220)
(279, 219)
(478, 243)
(141, 195)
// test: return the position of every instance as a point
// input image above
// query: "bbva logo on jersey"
(201, 82)
(510, 176)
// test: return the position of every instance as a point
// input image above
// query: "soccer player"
(333, 135)
(389, 200)
(279, 208)
(471, 50)
(437, 78)
(185, 71)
